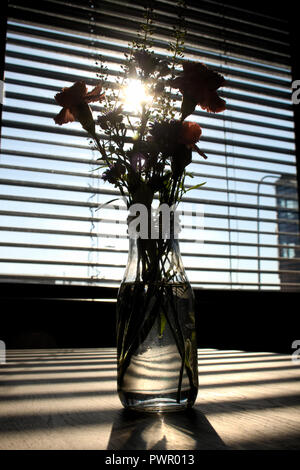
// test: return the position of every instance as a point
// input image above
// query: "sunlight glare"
(135, 95)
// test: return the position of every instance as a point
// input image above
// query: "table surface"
(67, 399)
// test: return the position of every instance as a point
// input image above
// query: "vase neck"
(156, 224)
(154, 260)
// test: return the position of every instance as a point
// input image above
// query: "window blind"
(54, 224)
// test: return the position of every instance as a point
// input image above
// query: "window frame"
(105, 292)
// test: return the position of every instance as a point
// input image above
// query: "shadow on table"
(188, 430)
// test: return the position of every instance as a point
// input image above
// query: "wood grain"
(67, 399)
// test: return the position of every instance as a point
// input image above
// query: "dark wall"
(45, 316)
(49, 323)
(53, 316)
(248, 320)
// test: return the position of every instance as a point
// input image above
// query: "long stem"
(188, 371)
(181, 353)
(100, 148)
(171, 199)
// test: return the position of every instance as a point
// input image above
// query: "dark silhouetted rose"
(190, 133)
(74, 101)
(198, 85)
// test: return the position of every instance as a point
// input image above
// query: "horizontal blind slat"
(73, 78)
(221, 128)
(107, 25)
(208, 151)
(230, 83)
(71, 188)
(66, 131)
(278, 81)
(95, 176)
(112, 266)
(101, 46)
(112, 251)
(91, 205)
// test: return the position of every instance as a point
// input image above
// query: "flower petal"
(198, 85)
(64, 116)
(94, 95)
(83, 114)
(72, 96)
(213, 103)
(190, 133)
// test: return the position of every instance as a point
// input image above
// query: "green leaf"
(195, 187)
(106, 203)
(99, 167)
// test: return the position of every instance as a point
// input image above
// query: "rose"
(74, 101)
(190, 133)
(198, 85)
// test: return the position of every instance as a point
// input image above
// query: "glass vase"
(156, 335)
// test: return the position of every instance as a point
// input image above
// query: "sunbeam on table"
(67, 399)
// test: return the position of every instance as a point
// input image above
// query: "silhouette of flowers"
(75, 104)
(198, 85)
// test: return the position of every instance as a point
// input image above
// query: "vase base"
(155, 405)
(157, 408)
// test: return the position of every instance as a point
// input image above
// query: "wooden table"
(67, 399)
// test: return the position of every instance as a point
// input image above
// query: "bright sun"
(135, 95)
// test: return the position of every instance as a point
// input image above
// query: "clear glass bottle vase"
(156, 335)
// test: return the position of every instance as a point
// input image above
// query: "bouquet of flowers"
(146, 144)
(146, 155)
